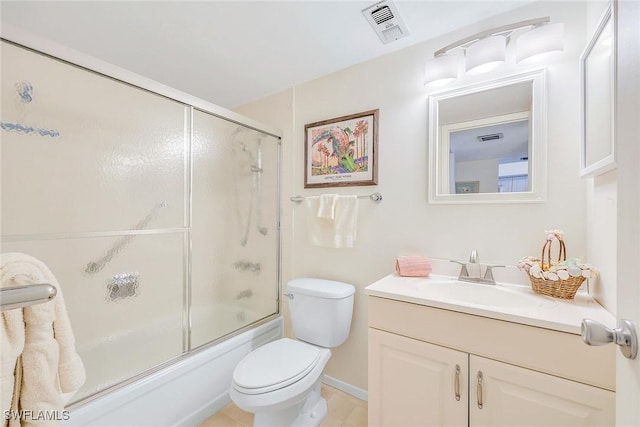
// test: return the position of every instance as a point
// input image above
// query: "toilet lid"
(275, 365)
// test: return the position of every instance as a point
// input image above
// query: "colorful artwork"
(342, 151)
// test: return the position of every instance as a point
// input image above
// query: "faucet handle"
(473, 257)
(463, 271)
(488, 274)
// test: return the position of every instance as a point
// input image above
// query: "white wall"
(404, 223)
(485, 171)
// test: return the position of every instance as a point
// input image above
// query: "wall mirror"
(597, 72)
(487, 142)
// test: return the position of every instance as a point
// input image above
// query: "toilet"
(280, 381)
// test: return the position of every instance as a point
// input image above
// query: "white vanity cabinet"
(421, 356)
(510, 395)
(412, 382)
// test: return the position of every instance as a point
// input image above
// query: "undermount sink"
(483, 295)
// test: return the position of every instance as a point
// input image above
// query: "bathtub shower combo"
(158, 214)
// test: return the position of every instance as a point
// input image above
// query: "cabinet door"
(513, 396)
(413, 383)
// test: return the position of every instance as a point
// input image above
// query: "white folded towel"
(38, 345)
(327, 206)
(337, 233)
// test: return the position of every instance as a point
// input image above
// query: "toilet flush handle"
(290, 296)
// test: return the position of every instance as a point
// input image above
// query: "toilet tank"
(320, 310)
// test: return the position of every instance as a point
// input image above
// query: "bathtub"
(184, 393)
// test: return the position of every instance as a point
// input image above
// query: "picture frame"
(467, 187)
(597, 98)
(342, 152)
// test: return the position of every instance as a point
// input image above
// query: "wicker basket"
(561, 288)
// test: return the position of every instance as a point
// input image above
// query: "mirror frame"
(607, 162)
(538, 132)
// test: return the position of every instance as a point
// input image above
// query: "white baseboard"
(347, 388)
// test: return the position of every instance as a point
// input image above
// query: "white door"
(627, 135)
(414, 383)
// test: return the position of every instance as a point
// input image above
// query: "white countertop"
(509, 302)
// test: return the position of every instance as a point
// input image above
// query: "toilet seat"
(274, 366)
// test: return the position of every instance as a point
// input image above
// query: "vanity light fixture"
(487, 49)
(486, 54)
(441, 70)
(538, 42)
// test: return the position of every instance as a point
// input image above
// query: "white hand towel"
(337, 233)
(11, 346)
(345, 221)
(327, 206)
(50, 364)
(319, 230)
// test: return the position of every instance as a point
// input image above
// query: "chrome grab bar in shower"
(375, 197)
(26, 295)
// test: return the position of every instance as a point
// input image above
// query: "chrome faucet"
(476, 276)
(473, 257)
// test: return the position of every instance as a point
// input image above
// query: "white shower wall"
(124, 181)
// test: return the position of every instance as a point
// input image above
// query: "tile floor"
(344, 411)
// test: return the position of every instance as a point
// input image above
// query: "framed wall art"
(467, 187)
(342, 152)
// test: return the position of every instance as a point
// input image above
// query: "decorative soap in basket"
(561, 278)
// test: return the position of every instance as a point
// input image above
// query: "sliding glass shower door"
(234, 234)
(159, 221)
(93, 185)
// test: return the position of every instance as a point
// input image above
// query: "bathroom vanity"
(444, 352)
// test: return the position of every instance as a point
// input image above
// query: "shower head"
(245, 149)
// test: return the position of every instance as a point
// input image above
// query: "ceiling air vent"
(382, 14)
(490, 137)
(383, 18)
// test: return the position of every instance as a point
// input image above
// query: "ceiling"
(513, 144)
(234, 52)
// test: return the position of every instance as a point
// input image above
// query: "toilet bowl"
(280, 381)
(275, 380)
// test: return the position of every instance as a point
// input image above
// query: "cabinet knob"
(595, 333)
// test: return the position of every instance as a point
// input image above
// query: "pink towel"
(413, 266)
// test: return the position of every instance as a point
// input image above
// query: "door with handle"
(412, 382)
(627, 129)
(626, 177)
(508, 395)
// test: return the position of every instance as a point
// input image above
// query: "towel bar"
(24, 296)
(375, 198)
